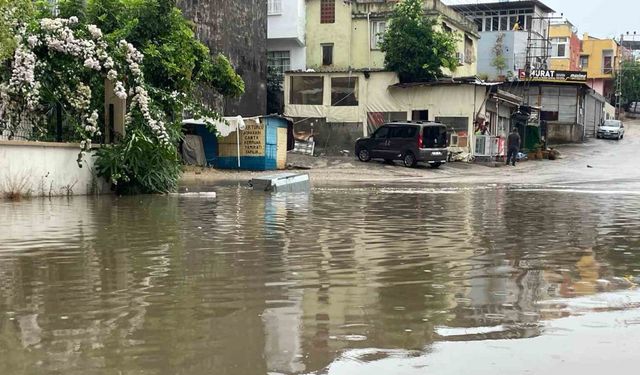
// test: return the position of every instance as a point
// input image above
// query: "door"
(401, 140)
(380, 142)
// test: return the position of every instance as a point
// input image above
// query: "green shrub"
(139, 165)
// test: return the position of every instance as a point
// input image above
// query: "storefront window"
(344, 91)
(306, 90)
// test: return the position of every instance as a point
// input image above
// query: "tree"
(499, 61)
(630, 72)
(150, 53)
(275, 96)
(11, 11)
(414, 48)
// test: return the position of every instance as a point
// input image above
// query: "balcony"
(286, 22)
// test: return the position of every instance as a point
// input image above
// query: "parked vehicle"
(410, 142)
(613, 129)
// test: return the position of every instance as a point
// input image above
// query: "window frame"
(274, 7)
(555, 47)
(280, 59)
(322, 48)
(376, 38)
(327, 11)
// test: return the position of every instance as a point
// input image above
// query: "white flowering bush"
(60, 60)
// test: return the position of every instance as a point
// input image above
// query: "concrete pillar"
(114, 113)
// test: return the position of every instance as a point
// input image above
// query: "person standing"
(513, 144)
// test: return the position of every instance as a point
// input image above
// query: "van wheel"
(436, 165)
(409, 160)
(364, 155)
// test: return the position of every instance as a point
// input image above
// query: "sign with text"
(253, 139)
(554, 75)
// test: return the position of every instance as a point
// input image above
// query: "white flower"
(95, 32)
(112, 75)
(73, 20)
(33, 41)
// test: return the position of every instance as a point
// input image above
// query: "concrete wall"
(238, 29)
(290, 24)
(47, 169)
(559, 133)
(514, 50)
(597, 85)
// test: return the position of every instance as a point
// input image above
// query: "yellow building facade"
(600, 58)
(350, 31)
(565, 51)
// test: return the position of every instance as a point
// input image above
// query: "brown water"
(327, 282)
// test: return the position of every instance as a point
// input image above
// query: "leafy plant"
(630, 71)
(138, 165)
(414, 48)
(499, 61)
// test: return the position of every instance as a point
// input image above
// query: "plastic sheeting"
(193, 150)
(224, 127)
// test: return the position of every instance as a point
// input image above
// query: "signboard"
(553, 75)
(253, 139)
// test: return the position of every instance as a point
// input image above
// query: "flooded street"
(337, 281)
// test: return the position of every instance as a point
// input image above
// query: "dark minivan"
(409, 142)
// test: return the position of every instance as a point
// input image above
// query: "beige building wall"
(375, 94)
(351, 38)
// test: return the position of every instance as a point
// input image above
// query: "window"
(420, 115)
(513, 21)
(458, 127)
(327, 11)
(327, 54)
(469, 51)
(607, 61)
(344, 91)
(403, 132)
(377, 119)
(560, 47)
(274, 7)
(381, 133)
(495, 26)
(479, 23)
(584, 62)
(434, 137)
(377, 33)
(446, 28)
(306, 90)
(279, 61)
(504, 23)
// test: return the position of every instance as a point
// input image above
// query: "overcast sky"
(600, 18)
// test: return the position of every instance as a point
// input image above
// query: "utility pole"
(619, 81)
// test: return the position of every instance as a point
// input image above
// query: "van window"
(382, 132)
(434, 137)
(403, 132)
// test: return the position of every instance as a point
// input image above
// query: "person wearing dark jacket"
(513, 145)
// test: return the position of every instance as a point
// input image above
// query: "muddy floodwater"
(447, 280)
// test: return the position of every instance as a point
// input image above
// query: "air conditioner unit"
(460, 57)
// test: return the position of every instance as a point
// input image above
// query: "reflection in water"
(254, 283)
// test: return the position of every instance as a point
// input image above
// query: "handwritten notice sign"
(253, 139)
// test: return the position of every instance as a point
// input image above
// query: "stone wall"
(237, 29)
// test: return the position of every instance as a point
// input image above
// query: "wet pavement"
(454, 278)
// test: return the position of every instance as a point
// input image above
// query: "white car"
(613, 129)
